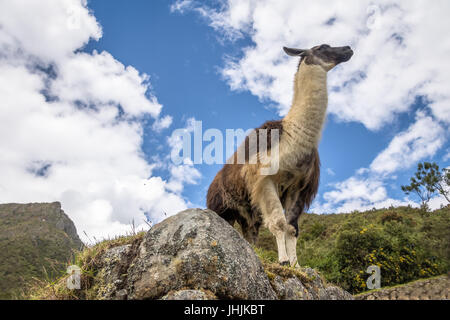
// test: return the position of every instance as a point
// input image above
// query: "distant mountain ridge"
(36, 240)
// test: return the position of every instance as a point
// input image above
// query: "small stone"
(189, 295)
(121, 294)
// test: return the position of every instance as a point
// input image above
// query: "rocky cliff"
(36, 240)
(192, 255)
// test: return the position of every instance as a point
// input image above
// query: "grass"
(273, 268)
(89, 260)
(413, 243)
(33, 245)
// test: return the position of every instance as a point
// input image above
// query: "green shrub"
(394, 247)
(391, 216)
(404, 242)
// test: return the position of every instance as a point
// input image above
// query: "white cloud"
(367, 190)
(358, 193)
(181, 6)
(71, 122)
(175, 141)
(437, 202)
(447, 156)
(183, 173)
(421, 140)
(49, 30)
(99, 79)
(162, 123)
(228, 22)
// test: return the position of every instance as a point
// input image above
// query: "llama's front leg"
(291, 246)
(267, 199)
(294, 207)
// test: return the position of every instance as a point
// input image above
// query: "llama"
(240, 193)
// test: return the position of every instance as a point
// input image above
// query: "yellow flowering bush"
(386, 247)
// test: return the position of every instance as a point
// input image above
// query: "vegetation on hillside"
(406, 243)
(35, 242)
(89, 260)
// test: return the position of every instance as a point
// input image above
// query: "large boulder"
(196, 255)
(197, 249)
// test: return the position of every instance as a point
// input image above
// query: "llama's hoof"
(285, 263)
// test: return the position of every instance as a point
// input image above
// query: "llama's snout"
(345, 54)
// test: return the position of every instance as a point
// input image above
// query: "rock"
(112, 275)
(313, 289)
(290, 289)
(196, 255)
(189, 295)
(197, 249)
(426, 289)
(335, 293)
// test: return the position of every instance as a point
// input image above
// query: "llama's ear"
(294, 52)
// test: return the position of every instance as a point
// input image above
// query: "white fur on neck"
(304, 121)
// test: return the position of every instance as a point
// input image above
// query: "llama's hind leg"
(230, 216)
(247, 230)
(294, 208)
(250, 223)
(267, 200)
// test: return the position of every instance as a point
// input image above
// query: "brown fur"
(228, 193)
(307, 190)
(269, 126)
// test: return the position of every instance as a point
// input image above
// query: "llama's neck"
(305, 119)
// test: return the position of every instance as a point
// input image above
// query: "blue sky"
(183, 56)
(127, 74)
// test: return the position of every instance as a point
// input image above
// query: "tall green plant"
(427, 181)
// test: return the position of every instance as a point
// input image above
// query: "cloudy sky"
(92, 91)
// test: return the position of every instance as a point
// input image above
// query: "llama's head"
(324, 55)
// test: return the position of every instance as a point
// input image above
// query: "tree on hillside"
(427, 181)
